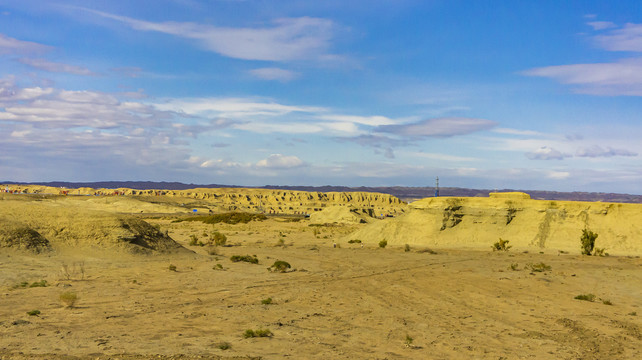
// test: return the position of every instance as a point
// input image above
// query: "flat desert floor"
(348, 302)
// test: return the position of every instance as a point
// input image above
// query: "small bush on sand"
(606, 302)
(585, 297)
(540, 267)
(280, 266)
(41, 283)
(172, 267)
(588, 241)
(426, 250)
(383, 243)
(354, 241)
(224, 345)
(193, 240)
(227, 218)
(267, 301)
(246, 258)
(218, 267)
(409, 340)
(69, 298)
(217, 238)
(514, 267)
(501, 245)
(249, 333)
(280, 242)
(406, 248)
(33, 312)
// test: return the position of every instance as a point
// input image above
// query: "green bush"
(249, 333)
(33, 312)
(41, 283)
(224, 345)
(501, 245)
(280, 266)
(193, 240)
(383, 243)
(246, 258)
(585, 297)
(354, 241)
(588, 241)
(172, 267)
(267, 301)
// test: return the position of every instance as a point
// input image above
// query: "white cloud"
(365, 120)
(627, 38)
(274, 74)
(285, 40)
(9, 45)
(439, 127)
(623, 77)
(516, 132)
(601, 25)
(546, 153)
(597, 151)
(443, 157)
(46, 65)
(558, 175)
(278, 161)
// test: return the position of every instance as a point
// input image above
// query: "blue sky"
(486, 94)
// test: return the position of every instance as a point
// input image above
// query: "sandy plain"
(344, 302)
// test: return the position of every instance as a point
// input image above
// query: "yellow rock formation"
(527, 224)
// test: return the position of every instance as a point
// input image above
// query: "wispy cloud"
(286, 39)
(439, 127)
(627, 38)
(11, 46)
(50, 66)
(274, 74)
(601, 25)
(547, 153)
(597, 151)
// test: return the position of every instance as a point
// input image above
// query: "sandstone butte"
(527, 224)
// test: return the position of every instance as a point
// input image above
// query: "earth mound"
(16, 235)
(340, 215)
(80, 229)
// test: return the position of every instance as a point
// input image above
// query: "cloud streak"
(11, 46)
(438, 127)
(46, 65)
(285, 39)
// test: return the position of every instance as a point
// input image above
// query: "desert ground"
(158, 294)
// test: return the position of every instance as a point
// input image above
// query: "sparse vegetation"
(606, 302)
(267, 301)
(539, 267)
(249, 333)
(218, 267)
(588, 241)
(280, 242)
(514, 267)
(427, 250)
(69, 298)
(227, 218)
(193, 240)
(383, 243)
(280, 266)
(354, 241)
(501, 245)
(33, 312)
(409, 340)
(217, 238)
(224, 345)
(406, 248)
(41, 283)
(585, 297)
(245, 258)
(77, 269)
(172, 267)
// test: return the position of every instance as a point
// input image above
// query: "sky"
(539, 95)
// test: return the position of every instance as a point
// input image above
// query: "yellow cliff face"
(527, 224)
(250, 200)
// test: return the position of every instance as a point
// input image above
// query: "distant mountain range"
(402, 192)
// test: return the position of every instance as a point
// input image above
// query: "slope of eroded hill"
(526, 223)
(239, 199)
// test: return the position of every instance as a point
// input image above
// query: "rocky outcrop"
(527, 224)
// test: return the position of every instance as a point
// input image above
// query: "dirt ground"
(348, 302)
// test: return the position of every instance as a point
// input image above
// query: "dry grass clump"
(69, 298)
(252, 259)
(280, 266)
(501, 245)
(249, 333)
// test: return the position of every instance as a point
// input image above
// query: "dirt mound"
(341, 215)
(16, 235)
(72, 228)
(535, 224)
